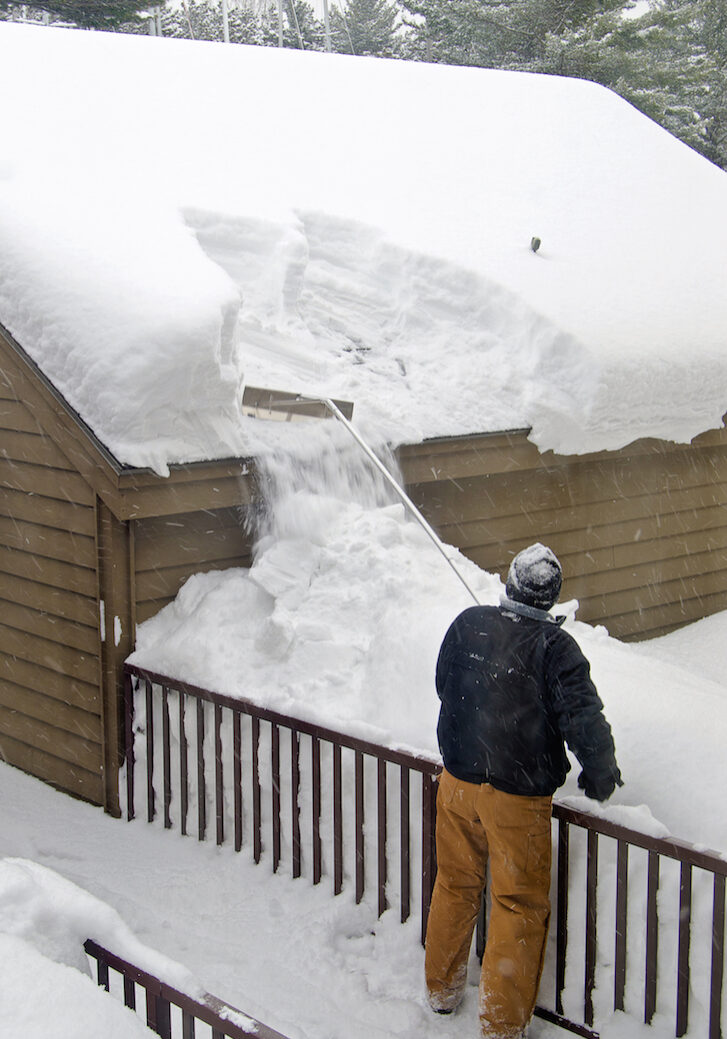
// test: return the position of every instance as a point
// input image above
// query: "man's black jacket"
(514, 687)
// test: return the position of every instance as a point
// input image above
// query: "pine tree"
(202, 20)
(365, 27)
(495, 33)
(93, 14)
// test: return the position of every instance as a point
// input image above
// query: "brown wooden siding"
(641, 533)
(169, 549)
(50, 704)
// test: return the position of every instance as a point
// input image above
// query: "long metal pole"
(335, 410)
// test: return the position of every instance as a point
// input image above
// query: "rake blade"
(287, 407)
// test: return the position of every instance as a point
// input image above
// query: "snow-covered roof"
(179, 217)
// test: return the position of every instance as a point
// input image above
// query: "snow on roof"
(177, 218)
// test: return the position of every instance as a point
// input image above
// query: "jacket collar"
(524, 610)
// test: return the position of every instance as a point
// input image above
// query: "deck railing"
(664, 895)
(222, 753)
(215, 763)
(170, 1013)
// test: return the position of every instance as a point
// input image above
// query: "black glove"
(600, 785)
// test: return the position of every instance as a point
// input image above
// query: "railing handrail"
(211, 1010)
(409, 759)
(669, 846)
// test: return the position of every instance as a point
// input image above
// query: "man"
(514, 686)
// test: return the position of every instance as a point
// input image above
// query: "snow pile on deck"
(176, 217)
(44, 921)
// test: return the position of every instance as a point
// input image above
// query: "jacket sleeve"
(579, 712)
(445, 656)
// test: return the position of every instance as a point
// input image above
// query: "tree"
(494, 33)
(365, 27)
(93, 14)
(202, 20)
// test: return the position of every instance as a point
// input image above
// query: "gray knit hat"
(535, 577)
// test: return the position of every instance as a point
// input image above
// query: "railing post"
(295, 801)
(275, 756)
(166, 759)
(405, 845)
(561, 935)
(237, 775)
(337, 821)
(429, 851)
(717, 970)
(652, 937)
(685, 923)
(129, 736)
(201, 775)
(591, 924)
(360, 869)
(102, 973)
(256, 795)
(183, 768)
(316, 809)
(381, 844)
(622, 887)
(150, 800)
(219, 779)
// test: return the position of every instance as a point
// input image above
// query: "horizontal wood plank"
(651, 622)
(651, 597)
(51, 483)
(49, 572)
(53, 656)
(34, 449)
(164, 584)
(163, 499)
(14, 415)
(51, 712)
(150, 608)
(72, 779)
(190, 548)
(491, 453)
(57, 602)
(61, 744)
(203, 521)
(49, 681)
(65, 546)
(582, 517)
(48, 512)
(514, 532)
(52, 629)
(473, 499)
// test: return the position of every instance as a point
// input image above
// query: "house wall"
(50, 654)
(169, 549)
(82, 538)
(641, 532)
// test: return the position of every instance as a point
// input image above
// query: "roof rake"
(287, 407)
